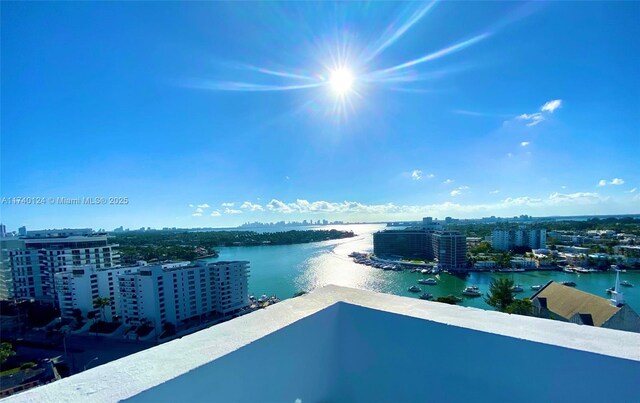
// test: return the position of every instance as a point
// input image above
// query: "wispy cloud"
(416, 175)
(228, 204)
(197, 214)
(458, 191)
(534, 118)
(632, 190)
(551, 105)
(215, 213)
(232, 211)
(614, 182)
(205, 205)
(525, 143)
(448, 181)
(493, 192)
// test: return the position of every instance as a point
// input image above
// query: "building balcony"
(341, 344)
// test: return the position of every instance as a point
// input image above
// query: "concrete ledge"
(129, 376)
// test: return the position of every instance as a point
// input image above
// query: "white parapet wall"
(341, 344)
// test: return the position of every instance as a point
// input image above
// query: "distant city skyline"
(215, 114)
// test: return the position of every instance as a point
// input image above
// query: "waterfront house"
(557, 301)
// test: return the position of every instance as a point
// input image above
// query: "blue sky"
(214, 114)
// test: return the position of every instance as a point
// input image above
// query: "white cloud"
(287, 178)
(443, 209)
(509, 155)
(251, 206)
(494, 192)
(196, 214)
(191, 205)
(416, 175)
(448, 181)
(199, 210)
(205, 205)
(524, 143)
(614, 181)
(563, 187)
(232, 211)
(551, 105)
(215, 213)
(632, 190)
(532, 119)
(228, 204)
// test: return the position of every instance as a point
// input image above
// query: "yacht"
(610, 290)
(569, 283)
(568, 270)
(428, 281)
(626, 283)
(424, 271)
(517, 288)
(426, 296)
(413, 288)
(536, 287)
(471, 291)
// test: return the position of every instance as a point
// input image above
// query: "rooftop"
(342, 344)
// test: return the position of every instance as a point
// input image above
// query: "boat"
(428, 281)
(426, 296)
(471, 291)
(517, 288)
(569, 283)
(610, 290)
(568, 270)
(424, 271)
(626, 283)
(413, 288)
(413, 270)
(536, 287)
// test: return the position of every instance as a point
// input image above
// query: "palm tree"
(500, 294)
(101, 302)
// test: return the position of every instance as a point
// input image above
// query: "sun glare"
(341, 81)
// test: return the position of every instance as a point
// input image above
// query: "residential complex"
(37, 256)
(507, 239)
(431, 242)
(180, 293)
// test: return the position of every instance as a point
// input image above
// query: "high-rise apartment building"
(41, 254)
(78, 288)
(179, 294)
(450, 249)
(506, 239)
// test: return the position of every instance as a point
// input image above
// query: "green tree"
(101, 303)
(521, 307)
(6, 351)
(449, 299)
(500, 294)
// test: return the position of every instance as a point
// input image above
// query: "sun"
(341, 81)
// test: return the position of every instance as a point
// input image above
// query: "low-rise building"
(485, 265)
(557, 301)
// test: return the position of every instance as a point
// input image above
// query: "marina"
(287, 269)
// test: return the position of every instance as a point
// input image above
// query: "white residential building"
(505, 239)
(42, 254)
(179, 294)
(78, 288)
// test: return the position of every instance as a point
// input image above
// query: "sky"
(214, 114)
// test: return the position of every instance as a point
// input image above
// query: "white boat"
(517, 288)
(413, 288)
(626, 283)
(424, 271)
(471, 291)
(536, 287)
(567, 270)
(428, 281)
